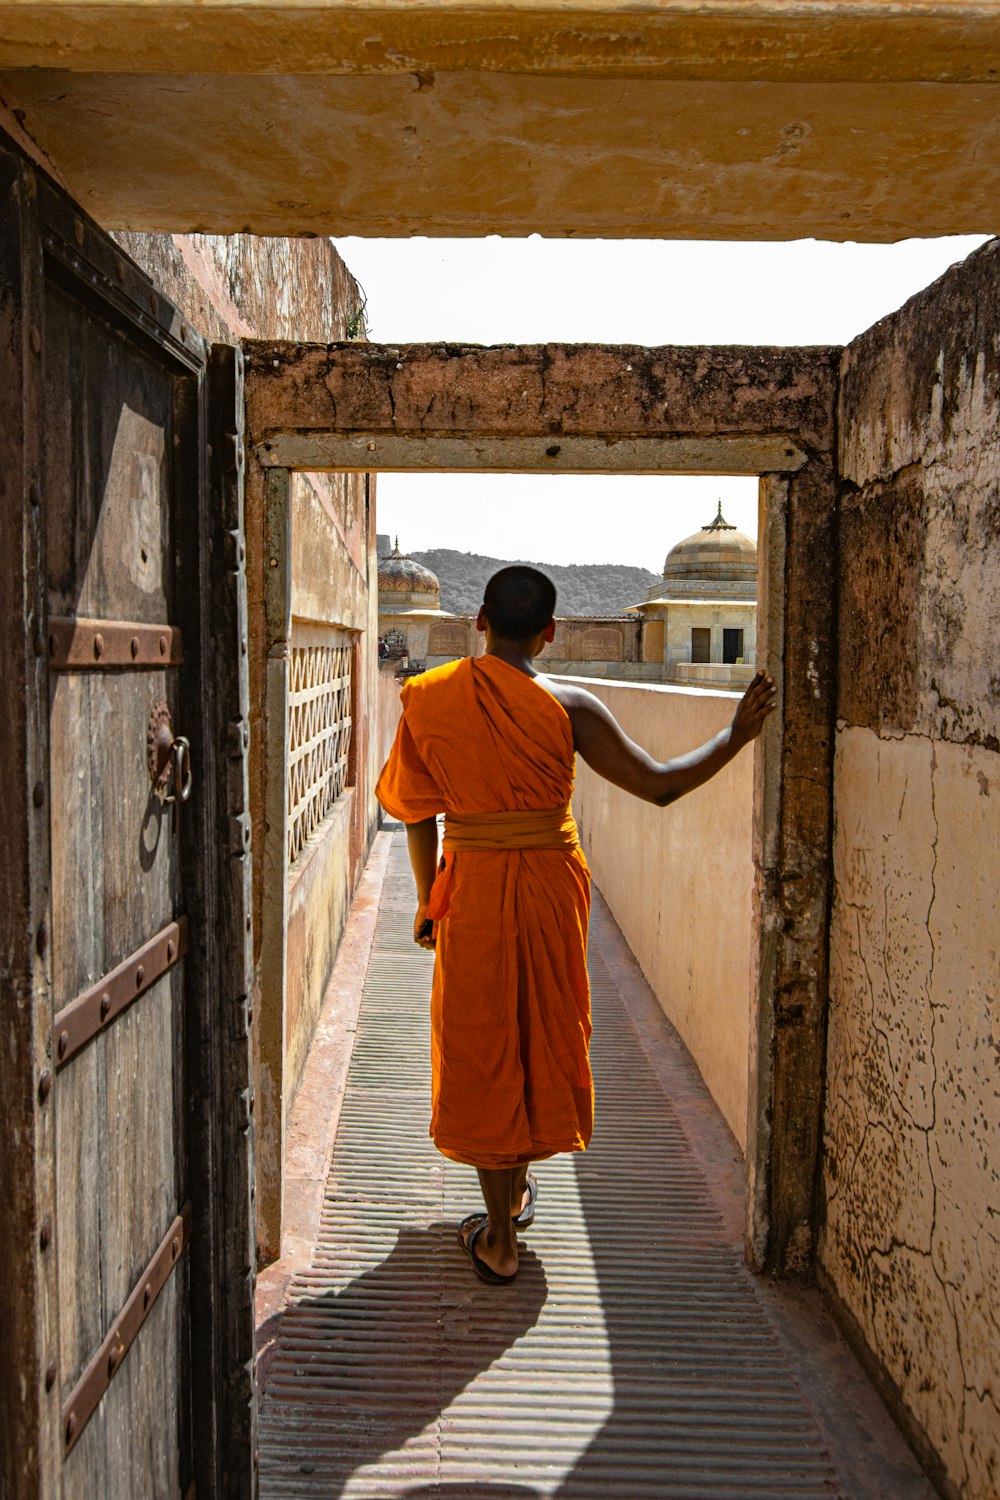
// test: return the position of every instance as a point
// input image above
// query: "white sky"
(503, 291)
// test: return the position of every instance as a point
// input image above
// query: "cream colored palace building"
(696, 627)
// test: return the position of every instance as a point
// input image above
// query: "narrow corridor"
(634, 1357)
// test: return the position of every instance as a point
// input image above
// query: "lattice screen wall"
(319, 727)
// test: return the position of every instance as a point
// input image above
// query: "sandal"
(526, 1217)
(475, 1224)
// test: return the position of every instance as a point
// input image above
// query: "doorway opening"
(625, 632)
(586, 410)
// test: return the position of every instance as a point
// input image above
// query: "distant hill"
(582, 588)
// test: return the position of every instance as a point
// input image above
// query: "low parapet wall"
(712, 674)
(679, 880)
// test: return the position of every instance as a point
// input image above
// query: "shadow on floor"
(704, 1400)
(331, 1357)
(652, 1371)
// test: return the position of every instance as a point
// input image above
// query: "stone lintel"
(783, 398)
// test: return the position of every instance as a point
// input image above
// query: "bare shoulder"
(578, 703)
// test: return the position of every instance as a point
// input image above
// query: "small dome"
(398, 574)
(718, 553)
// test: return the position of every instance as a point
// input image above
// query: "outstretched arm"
(608, 750)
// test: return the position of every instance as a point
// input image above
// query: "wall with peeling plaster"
(245, 286)
(911, 1240)
(332, 531)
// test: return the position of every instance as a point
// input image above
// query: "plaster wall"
(388, 711)
(249, 286)
(679, 881)
(244, 286)
(710, 674)
(330, 522)
(575, 647)
(319, 898)
(910, 1244)
(613, 671)
(332, 549)
(324, 880)
(416, 632)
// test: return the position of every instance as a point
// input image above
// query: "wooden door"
(131, 1064)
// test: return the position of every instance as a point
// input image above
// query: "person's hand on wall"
(757, 702)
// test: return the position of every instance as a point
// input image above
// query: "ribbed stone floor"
(632, 1358)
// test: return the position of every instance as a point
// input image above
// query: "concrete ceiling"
(722, 119)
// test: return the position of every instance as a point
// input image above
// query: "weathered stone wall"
(596, 645)
(244, 286)
(679, 881)
(911, 1176)
(595, 638)
(332, 559)
(248, 286)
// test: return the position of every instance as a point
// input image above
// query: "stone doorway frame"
(565, 409)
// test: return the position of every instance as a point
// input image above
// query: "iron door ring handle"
(180, 752)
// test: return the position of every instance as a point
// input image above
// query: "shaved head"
(519, 602)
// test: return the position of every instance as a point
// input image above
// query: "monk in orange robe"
(491, 743)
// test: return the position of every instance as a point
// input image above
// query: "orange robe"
(510, 1005)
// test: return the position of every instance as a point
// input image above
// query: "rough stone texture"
(232, 287)
(913, 1112)
(750, 120)
(920, 448)
(912, 1189)
(545, 390)
(795, 643)
(245, 285)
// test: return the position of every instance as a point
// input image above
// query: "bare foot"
(497, 1256)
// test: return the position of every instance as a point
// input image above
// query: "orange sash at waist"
(537, 828)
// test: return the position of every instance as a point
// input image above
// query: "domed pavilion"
(701, 622)
(409, 609)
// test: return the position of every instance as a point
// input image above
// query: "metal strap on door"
(74, 645)
(86, 1395)
(78, 644)
(90, 1013)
